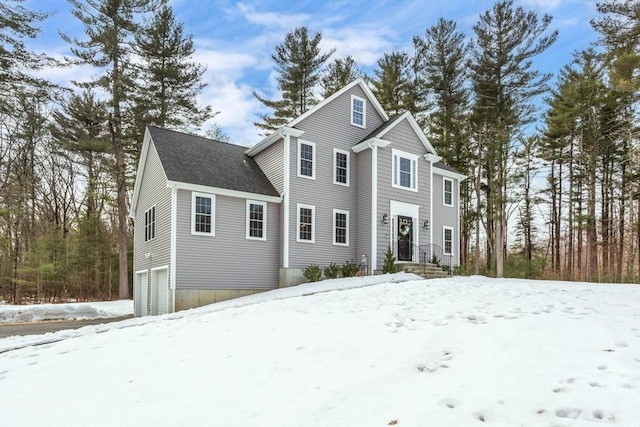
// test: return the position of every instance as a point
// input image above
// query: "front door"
(405, 238)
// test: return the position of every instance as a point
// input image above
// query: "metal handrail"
(433, 254)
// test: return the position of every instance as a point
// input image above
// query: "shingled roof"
(196, 160)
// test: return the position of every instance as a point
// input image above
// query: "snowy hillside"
(461, 351)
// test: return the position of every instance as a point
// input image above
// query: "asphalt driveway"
(37, 328)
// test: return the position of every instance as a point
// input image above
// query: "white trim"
(174, 233)
(313, 223)
(340, 211)
(449, 174)
(365, 88)
(444, 246)
(223, 192)
(364, 111)
(271, 139)
(141, 166)
(193, 214)
(313, 159)
(285, 206)
(374, 206)
(370, 143)
(395, 174)
(458, 226)
(154, 223)
(248, 219)
(404, 209)
(431, 225)
(335, 166)
(444, 192)
(416, 128)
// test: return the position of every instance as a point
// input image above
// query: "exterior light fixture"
(426, 224)
(385, 219)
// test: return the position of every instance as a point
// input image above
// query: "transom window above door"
(405, 170)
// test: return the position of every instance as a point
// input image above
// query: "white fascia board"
(223, 192)
(271, 139)
(433, 158)
(365, 88)
(416, 128)
(448, 173)
(141, 164)
(369, 143)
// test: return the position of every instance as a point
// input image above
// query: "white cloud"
(365, 43)
(542, 5)
(273, 19)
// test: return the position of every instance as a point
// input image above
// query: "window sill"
(415, 190)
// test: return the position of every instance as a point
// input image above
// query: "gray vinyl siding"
(445, 215)
(227, 260)
(402, 137)
(329, 127)
(364, 203)
(153, 191)
(271, 161)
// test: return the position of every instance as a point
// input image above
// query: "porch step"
(428, 270)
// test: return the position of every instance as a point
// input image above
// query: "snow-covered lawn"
(462, 351)
(78, 311)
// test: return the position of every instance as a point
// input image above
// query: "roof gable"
(202, 161)
(387, 126)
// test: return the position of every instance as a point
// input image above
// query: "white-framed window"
(447, 192)
(340, 167)
(203, 208)
(150, 224)
(306, 220)
(340, 227)
(447, 240)
(358, 111)
(256, 220)
(405, 170)
(306, 159)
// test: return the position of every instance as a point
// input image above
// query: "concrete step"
(428, 271)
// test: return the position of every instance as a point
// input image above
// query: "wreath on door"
(405, 229)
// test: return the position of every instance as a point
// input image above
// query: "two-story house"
(342, 182)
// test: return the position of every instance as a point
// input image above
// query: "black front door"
(405, 238)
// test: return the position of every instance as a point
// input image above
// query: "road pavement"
(37, 328)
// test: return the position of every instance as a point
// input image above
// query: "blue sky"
(235, 40)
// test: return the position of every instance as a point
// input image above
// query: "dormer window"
(358, 111)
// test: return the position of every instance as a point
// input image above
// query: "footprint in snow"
(449, 403)
(568, 412)
(595, 384)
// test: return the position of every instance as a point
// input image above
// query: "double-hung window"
(447, 192)
(150, 224)
(405, 170)
(447, 240)
(340, 167)
(306, 223)
(203, 213)
(340, 227)
(256, 220)
(358, 111)
(306, 159)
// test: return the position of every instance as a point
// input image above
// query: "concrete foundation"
(290, 277)
(191, 298)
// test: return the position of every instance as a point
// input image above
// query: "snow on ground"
(461, 351)
(77, 311)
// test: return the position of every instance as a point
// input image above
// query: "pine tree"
(110, 26)
(393, 84)
(389, 265)
(298, 62)
(504, 84)
(168, 80)
(340, 73)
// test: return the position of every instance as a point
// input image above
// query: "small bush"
(312, 273)
(435, 261)
(350, 269)
(389, 265)
(332, 272)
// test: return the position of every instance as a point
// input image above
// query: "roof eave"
(272, 138)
